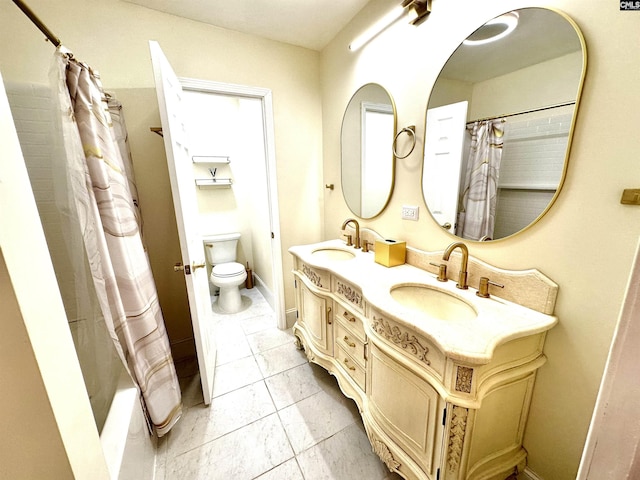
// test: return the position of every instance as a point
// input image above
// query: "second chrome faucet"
(462, 276)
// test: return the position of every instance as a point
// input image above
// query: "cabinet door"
(315, 313)
(407, 408)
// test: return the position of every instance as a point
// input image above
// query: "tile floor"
(274, 415)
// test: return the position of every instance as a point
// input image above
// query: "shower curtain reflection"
(477, 217)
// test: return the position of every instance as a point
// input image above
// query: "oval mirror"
(368, 164)
(499, 124)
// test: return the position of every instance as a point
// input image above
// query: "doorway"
(186, 180)
(239, 121)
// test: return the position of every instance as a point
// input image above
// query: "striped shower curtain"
(477, 218)
(107, 211)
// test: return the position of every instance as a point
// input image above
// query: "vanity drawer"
(350, 343)
(349, 365)
(352, 295)
(350, 321)
(318, 277)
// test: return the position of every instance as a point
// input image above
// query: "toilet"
(226, 274)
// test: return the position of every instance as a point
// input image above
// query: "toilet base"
(229, 300)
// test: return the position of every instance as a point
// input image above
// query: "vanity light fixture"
(417, 12)
(494, 29)
(421, 8)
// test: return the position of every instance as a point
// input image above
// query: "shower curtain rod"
(38, 23)
(558, 105)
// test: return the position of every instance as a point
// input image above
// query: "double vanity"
(442, 377)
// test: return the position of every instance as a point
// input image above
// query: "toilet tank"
(221, 248)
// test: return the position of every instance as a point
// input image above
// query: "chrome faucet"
(462, 277)
(356, 242)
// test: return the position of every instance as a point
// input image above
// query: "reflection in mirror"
(499, 124)
(367, 167)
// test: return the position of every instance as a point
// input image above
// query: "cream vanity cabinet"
(404, 416)
(330, 326)
(430, 416)
(314, 314)
(430, 412)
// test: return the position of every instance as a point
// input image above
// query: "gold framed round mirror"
(499, 124)
(367, 162)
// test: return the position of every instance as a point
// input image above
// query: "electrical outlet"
(410, 212)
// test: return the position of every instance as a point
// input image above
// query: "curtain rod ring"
(411, 131)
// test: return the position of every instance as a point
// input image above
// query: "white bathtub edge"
(129, 449)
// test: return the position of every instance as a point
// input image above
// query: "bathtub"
(128, 448)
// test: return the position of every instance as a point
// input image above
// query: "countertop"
(472, 341)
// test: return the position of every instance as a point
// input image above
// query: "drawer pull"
(352, 319)
(346, 340)
(350, 367)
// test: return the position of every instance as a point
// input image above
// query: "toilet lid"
(230, 269)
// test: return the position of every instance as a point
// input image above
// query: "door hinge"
(272, 235)
(444, 416)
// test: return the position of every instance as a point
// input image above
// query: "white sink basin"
(333, 254)
(432, 302)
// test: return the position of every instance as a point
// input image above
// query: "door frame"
(265, 97)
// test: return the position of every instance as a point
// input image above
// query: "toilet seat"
(225, 270)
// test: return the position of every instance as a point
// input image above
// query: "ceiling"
(307, 23)
(541, 35)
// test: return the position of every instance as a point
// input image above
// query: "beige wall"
(25, 404)
(112, 37)
(556, 81)
(585, 243)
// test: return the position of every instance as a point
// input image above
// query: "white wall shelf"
(213, 182)
(210, 159)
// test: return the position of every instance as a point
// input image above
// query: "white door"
(443, 154)
(377, 122)
(185, 203)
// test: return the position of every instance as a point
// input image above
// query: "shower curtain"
(97, 180)
(477, 217)
(122, 140)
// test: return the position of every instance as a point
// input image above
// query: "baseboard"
(184, 348)
(291, 316)
(528, 474)
(266, 293)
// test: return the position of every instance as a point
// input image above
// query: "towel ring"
(411, 130)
